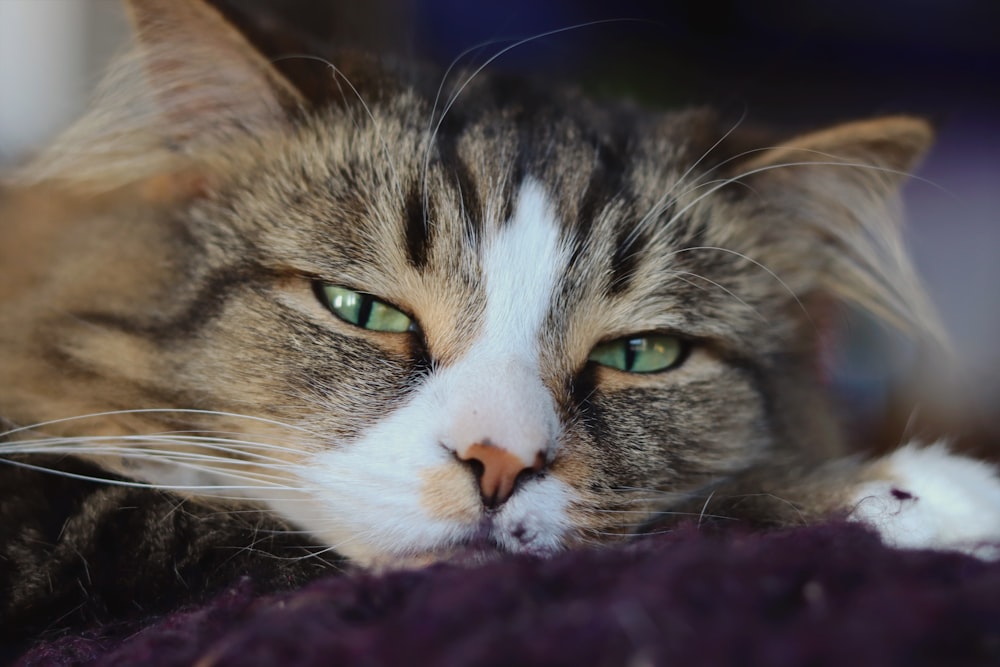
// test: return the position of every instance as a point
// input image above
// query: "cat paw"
(929, 498)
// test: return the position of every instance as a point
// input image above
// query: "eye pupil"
(364, 310)
(630, 354)
(641, 354)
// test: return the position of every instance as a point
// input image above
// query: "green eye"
(641, 354)
(364, 310)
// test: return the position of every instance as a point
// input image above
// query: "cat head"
(417, 323)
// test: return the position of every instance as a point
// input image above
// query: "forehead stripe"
(417, 226)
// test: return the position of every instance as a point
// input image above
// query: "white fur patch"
(495, 393)
(928, 497)
(368, 493)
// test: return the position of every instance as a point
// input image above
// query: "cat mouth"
(486, 542)
(482, 546)
(489, 544)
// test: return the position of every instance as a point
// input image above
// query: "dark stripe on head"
(454, 165)
(606, 183)
(628, 249)
(469, 192)
(418, 228)
(625, 260)
(581, 390)
(512, 185)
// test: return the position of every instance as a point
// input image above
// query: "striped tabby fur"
(163, 261)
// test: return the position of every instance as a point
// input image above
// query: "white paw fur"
(930, 498)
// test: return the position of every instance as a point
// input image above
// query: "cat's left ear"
(205, 77)
(830, 205)
(191, 82)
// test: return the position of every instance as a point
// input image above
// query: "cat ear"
(874, 154)
(205, 77)
(830, 215)
(190, 82)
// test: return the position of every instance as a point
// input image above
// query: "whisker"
(137, 411)
(772, 496)
(653, 514)
(71, 444)
(432, 134)
(660, 203)
(756, 263)
(339, 75)
(704, 508)
(139, 485)
(291, 445)
(724, 289)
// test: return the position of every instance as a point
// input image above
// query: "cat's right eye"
(364, 310)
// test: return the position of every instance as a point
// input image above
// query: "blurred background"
(795, 64)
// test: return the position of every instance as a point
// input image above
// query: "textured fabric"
(823, 595)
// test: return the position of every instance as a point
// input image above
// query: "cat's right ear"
(833, 195)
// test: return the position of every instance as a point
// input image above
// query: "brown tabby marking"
(163, 261)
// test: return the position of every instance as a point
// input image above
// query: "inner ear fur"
(205, 76)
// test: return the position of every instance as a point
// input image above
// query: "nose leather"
(498, 471)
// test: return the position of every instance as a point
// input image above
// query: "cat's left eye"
(651, 353)
(364, 310)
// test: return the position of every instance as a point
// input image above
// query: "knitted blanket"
(822, 595)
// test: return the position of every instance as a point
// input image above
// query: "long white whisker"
(753, 261)
(84, 443)
(704, 508)
(143, 453)
(151, 486)
(723, 288)
(137, 411)
(721, 183)
(232, 437)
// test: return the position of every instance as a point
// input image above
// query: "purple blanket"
(824, 595)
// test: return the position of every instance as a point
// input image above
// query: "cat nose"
(498, 471)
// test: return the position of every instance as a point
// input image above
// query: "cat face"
(513, 323)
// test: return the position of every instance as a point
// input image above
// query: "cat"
(262, 304)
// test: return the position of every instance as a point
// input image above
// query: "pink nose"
(498, 471)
